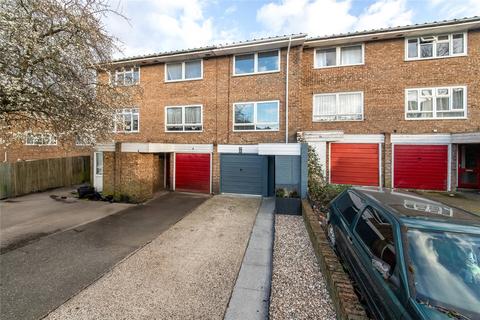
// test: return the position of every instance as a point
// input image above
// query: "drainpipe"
(286, 90)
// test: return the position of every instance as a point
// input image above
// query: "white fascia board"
(471, 137)
(236, 148)
(319, 136)
(193, 148)
(105, 147)
(259, 46)
(134, 147)
(279, 149)
(392, 34)
(421, 138)
(363, 138)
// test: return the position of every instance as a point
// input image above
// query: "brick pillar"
(387, 162)
(215, 171)
(117, 169)
(454, 164)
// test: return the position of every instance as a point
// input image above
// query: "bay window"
(181, 71)
(126, 120)
(438, 46)
(339, 56)
(258, 62)
(431, 103)
(256, 116)
(344, 106)
(183, 118)
(126, 76)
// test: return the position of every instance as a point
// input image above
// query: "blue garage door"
(245, 174)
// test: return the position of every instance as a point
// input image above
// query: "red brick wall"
(21, 152)
(383, 79)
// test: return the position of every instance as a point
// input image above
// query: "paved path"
(39, 277)
(28, 218)
(252, 290)
(466, 200)
(298, 288)
(188, 272)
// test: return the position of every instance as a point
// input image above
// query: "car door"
(375, 244)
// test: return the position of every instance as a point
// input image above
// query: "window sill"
(183, 80)
(326, 121)
(126, 132)
(197, 131)
(435, 58)
(341, 66)
(240, 131)
(255, 73)
(435, 119)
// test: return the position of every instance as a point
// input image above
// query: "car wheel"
(331, 235)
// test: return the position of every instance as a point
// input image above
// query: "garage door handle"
(241, 169)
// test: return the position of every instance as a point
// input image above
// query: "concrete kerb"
(251, 294)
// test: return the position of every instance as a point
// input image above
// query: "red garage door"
(420, 167)
(192, 172)
(354, 163)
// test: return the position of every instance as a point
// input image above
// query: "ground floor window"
(344, 106)
(184, 118)
(33, 139)
(436, 103)
(126, 120)
(256, 116)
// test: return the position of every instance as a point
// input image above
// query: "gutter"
(286, 90)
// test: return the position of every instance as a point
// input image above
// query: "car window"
(377, 234)
(349, 205)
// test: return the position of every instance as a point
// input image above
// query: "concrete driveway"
(40, 276)
(466, 200)
(25, 219)
(188, 272)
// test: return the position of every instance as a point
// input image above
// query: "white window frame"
(255, 63)
(123, 111)
(338, 56)
(183, 71)
(183, 124)
(255, 123)
(434, 102)
(434, 56)
(337, 98)
(124, 70)
(51, 137)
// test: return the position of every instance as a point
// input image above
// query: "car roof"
(411, 208)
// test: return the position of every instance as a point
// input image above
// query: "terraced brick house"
(396, 107)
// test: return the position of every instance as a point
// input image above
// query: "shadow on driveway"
(39, 277)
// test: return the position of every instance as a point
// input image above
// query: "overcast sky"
(163, 25)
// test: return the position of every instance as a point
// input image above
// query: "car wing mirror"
(382, 267)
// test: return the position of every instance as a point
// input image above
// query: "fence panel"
(25, 177)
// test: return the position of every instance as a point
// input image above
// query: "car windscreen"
(444, 271)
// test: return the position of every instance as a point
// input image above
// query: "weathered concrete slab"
(250, 297)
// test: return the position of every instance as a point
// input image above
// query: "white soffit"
(318, 136)
(471, 137)
(421, 138)
(363, 138)
(279, 149)
(238, 148)
(166, 147)
(105, 147)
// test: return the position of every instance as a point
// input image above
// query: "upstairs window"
(40, 139)
(259, 62)
(126, 76)
(126, 120)
(339, 56)
(184, 118)
(440, 46)
(256, 116)
(345, 106)
(182, 71)
(441, 103)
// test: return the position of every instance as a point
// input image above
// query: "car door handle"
(350, 239)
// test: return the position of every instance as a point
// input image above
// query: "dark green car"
(410, 257)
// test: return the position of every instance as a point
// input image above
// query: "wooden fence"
(25, 177)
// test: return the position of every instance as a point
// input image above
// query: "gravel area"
(298, 287)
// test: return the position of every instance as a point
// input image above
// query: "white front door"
(98, 171)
